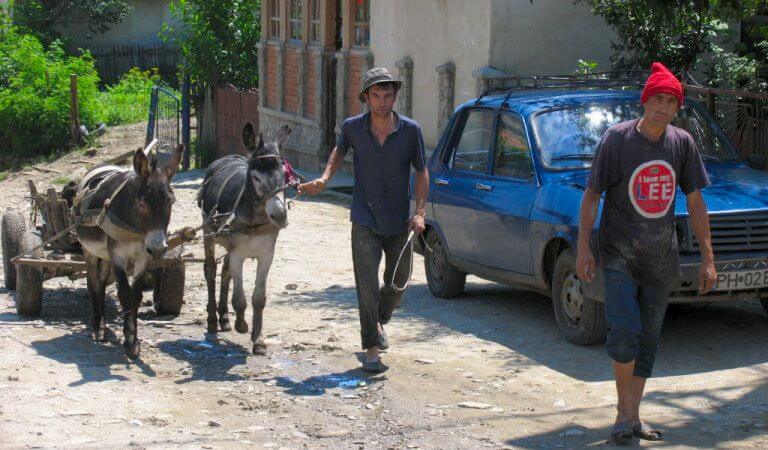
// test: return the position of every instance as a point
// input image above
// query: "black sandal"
(622, 433)
(647, 432)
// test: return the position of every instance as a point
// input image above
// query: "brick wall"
(272, 100)
(356, 69)
(309, 89)
(290, 80)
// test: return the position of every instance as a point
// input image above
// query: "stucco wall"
(432, 32)
(547, 37)
(140, 27)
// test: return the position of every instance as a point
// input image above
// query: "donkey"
(243, 213)
(133, 208)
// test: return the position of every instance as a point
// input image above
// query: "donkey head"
(268, 175)
(154, 198)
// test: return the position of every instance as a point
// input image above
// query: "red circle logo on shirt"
(652, 188)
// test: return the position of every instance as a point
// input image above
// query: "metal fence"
(112, 61)
(743, 116)
(164, 122)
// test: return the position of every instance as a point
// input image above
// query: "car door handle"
(441, 182)
(483, 187)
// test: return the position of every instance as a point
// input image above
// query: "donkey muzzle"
(277, 212)
(155, 244)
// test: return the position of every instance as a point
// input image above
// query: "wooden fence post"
(74, 113)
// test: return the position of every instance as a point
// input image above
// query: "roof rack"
(512, 84)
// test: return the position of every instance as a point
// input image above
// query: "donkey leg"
(105, 269)
(209, 269)
(259, 299)
(238, 295)
(94, 289)
(224, 296)
(125, 294)
(137, 290)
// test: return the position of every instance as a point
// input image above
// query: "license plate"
(746, 279)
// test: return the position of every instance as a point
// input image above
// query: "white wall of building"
(432, 33)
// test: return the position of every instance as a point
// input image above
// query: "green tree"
(218, 40)
(43, 18)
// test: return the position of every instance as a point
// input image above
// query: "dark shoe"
(374, 367)
(383, 340)
(622, 433)
(644, 431)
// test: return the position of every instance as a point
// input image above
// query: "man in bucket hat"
(386, 145)
(639, 164)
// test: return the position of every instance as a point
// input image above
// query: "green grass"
(3, 175)
(61, 180)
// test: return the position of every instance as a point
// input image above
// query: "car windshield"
(568, 137)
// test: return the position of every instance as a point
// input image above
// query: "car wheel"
(13, 230)
(580, 320)
(29, 279)
(445, 281)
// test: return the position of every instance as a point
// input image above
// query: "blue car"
(507, 178)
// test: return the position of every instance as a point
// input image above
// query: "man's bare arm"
(697, 210)
(335, 160)
(421, 190)
(585, 261)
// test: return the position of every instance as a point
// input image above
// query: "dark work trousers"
(376, 304)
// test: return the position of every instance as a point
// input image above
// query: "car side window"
(471, 152)
(512, 156)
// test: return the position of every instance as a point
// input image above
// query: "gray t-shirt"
(637, 230)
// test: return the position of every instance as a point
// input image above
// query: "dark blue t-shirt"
(381, 199)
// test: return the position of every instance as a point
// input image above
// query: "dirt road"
(488, 370)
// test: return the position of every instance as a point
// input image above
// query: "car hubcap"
(572, 298)
(437, 261)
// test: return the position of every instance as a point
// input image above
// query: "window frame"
(274, 20)
(458, 131)
(314, 21)
(364, 25)
(494, 143)
(295, 23)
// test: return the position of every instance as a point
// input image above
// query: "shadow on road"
(696, 338)
(210, 359)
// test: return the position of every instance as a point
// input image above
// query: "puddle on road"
(204, 349)
(345, 382)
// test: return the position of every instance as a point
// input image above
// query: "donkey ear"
(141, 164)
(173, 164)
(282, 134)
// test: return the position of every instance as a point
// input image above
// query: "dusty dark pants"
(376, 304)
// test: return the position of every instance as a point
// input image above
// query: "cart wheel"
(13, 231)
(169, 290)
(29, 279)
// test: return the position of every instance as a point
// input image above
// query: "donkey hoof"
(259, 348)
(132, 350)
(212, 327)
(225, 326)
(241, 326)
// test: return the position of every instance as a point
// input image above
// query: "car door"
(505, 199)
(463, 166)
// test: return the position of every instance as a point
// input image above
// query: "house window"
(295, 20)
(314, 25)
(361, 20)
(274, 19)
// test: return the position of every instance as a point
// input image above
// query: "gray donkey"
(240, 206)
(133, 208)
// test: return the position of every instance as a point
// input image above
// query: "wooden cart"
(27, 263)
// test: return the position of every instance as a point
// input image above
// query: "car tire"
(29, 279)
(13, 230)
(444, 280)
(580, 319)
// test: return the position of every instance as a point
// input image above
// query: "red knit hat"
(662, 81)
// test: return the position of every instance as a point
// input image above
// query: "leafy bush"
(34, 96)
(128, 100)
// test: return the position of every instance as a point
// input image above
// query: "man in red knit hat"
(639, 164)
